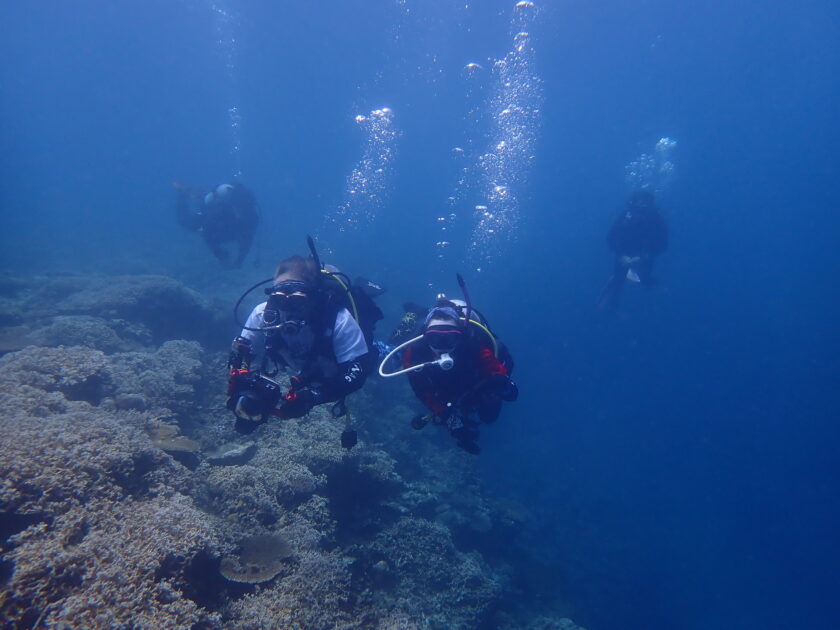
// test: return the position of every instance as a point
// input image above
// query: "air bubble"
(652, 171)
(367, 183)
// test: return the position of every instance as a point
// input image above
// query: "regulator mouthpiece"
(446, 362)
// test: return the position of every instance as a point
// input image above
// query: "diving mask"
(443, 339)
(288, 302)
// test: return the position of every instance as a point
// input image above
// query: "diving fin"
(632, 276)
(370, 288)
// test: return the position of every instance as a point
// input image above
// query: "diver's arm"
(299, 401)
(495, 376)
(350, 378)
(251, 341)
(427, 392)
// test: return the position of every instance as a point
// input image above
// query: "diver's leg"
(244, 242)
(612, 292)
(489, 408)
(215, 246)
(465, 438)
(645, 270)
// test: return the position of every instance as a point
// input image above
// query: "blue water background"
(680, 455)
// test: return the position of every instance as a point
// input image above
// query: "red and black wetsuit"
(472, 385)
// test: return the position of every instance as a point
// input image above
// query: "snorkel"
(314, 253)
(466, 294)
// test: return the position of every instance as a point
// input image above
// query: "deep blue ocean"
(680, 454)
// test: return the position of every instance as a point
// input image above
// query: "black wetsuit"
(639, 233)
(233, 219)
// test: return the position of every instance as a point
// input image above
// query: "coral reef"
(128, 500)
(112, 314)
(316, 595)
(79, 330)
(260, 560)
(98, 525)
(413, 569)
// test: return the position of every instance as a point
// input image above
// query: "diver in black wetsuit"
(228, 214)
(637, 236)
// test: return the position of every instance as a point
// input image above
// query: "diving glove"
(297, 403)
(240, 355)
(503, 387)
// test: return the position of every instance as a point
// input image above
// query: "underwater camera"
(255, 394)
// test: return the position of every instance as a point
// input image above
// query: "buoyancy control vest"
(478, 328)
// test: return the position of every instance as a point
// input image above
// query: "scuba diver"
(316, 325)
(636, 237)
(457, 369)
(228, 214)
(409, 324)
(406, 329)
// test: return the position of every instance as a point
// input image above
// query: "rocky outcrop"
(108, 313)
